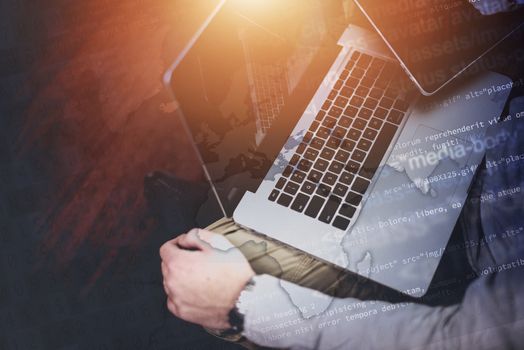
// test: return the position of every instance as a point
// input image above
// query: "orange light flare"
(103, 120)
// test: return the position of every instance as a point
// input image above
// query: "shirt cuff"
(270, 317)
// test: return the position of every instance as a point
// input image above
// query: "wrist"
(235, 316)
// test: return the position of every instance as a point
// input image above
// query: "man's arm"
(490, 316)
(204, 276)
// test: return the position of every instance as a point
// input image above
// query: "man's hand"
(203, 277)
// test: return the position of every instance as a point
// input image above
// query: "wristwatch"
(236, 318)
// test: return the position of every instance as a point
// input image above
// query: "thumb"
(192, 241)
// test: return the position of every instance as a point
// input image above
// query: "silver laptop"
(355, 145)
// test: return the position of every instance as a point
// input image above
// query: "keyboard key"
(360, 124)
(346, 178)
(386, 103)
(375, 123)
(358, 156)
(370, 134)
(371, 103)
(300, 202)
(372, 73)
(341, 223)
(321, 164)
(304, 165)
(347, 92)
(284, 200)
(354, 198)
(354, 134)
(378, 150)
(333, 142)
(323, 190)
(364, 144)
(311, 154)
(352, 83)
(287, 171)
(395, 116)
(364, 61)
(273, 195)
(347, 210)
(329, 122)
(348, 145)
(382, 83)
(362, 91)
(357, 72)
(344, 122)
(298, 176)
(336, 167)
(356, 101)
(341, 102)
(291, 188)
(308, 187)
(294, 160)
(376, 93)
(320, 115)
(329, 178)
(323, 132)
(368, 81)
(365, 113)
(314, 206)
(314, 176)
(351, 111)
(377, 63)
(301, 148)
(307, 137)
(335, 111)
(314, 126)
(380, 113)
(339, 132)
(280, 183)
(342, 156)
(360, 185)
(352, 167)
(330, 209)
(340, 189)
(332, 95)
(317, 143)
(340, 82)
(354, 56)
(327, 153)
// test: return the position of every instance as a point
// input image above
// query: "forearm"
(489, 317)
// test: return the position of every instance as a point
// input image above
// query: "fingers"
(193, 241)
(172, 307)
(168, 250)
(165, 274)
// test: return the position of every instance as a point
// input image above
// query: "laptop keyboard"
(332, 168)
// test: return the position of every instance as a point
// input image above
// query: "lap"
(268, 256)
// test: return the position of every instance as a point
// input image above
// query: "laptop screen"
(438, 39)
(249, 73)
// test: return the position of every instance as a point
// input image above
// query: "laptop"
(355, 145)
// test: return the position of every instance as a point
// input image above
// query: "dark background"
(83, 118)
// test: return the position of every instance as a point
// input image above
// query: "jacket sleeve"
(490, 316)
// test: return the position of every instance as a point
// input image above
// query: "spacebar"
(378, 150)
